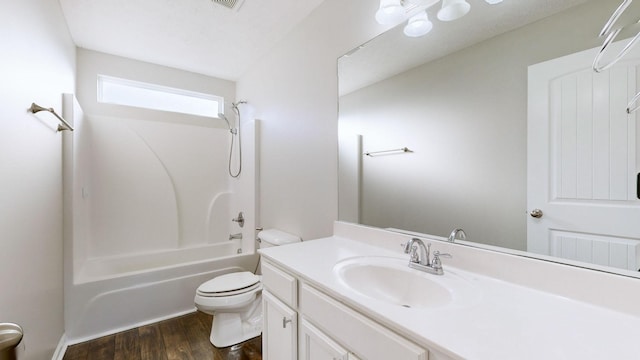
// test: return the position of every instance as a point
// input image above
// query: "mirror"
(458, 100)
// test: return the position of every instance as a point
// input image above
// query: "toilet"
(235, 299)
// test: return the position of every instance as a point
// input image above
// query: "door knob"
(536, 213)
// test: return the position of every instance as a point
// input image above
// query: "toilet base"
(231, 328)
(228, 330)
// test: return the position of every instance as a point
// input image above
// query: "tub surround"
(524, 308)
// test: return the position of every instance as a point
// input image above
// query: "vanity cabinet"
(279, 329)
(326, 328)
(316, 345)
(280, 319)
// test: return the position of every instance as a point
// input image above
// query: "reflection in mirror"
(462, 99)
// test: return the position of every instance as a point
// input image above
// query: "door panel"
(583, 161)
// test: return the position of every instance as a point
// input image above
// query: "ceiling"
(369, 64)
(205, 37)
(194, 35)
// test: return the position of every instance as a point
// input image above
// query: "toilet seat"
(228, 291)
(230, 285)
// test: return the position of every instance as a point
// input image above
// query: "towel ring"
(597, 67)
(631, 103)
(614, 17)
(610, 38)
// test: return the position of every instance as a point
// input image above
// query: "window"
(118, 91)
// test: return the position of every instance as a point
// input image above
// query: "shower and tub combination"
(148, 216)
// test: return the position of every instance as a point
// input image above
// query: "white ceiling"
(194, 35)
(392, 52)
(207, 38)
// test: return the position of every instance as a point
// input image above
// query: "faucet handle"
(414, 254)
(406, 246)
(437, 263)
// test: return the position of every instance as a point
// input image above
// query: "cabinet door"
(315, 345)
(279, 329)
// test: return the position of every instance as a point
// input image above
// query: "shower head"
(234, 106)
(223, 117)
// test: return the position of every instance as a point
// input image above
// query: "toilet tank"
(275, 237)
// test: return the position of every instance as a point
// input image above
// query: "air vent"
(227, 3)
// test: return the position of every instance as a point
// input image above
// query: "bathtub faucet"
(235, 236)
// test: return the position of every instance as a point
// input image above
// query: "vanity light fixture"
(453, 10)
(393, 12)
(390, 12)
(418, 25)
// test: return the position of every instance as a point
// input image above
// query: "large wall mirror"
(499, 113)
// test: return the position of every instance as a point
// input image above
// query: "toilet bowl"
(235, 300)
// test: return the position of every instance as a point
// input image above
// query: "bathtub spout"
(235, 236)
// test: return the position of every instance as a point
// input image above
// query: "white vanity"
(352, 296)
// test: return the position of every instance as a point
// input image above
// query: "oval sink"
(391, 281)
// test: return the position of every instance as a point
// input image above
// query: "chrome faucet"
(422, 261)
(235, 236)
(423, 258)
(454, 235)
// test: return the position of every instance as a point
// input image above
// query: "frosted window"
(150, 96)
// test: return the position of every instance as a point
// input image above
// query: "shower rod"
(37, 108)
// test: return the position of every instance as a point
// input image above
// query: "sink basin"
(390, 280)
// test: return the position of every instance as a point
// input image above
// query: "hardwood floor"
(185, 337)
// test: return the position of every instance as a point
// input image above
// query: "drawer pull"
(285, 321)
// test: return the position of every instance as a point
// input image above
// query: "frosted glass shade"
(390, 12)
(418, 25)
(453, 10)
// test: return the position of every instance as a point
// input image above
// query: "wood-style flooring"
(185, 337)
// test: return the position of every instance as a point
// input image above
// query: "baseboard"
(70, 342)
(61, 348)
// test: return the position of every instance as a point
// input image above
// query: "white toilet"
(235, 300)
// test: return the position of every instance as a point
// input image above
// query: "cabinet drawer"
(361, 335)
(280, 284)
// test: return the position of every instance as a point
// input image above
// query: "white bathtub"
(113, 294)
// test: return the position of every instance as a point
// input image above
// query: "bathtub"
(114, 294)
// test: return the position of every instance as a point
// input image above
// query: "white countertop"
(504, 320)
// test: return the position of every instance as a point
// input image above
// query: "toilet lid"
(230, 284)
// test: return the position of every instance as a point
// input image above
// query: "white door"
(583, 161)
(279, 329)
(315, 345)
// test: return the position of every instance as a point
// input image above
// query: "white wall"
(294, 92)
(158, 180)
(92, 63)
(37, 65)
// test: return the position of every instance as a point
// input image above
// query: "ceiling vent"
(229, 3)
